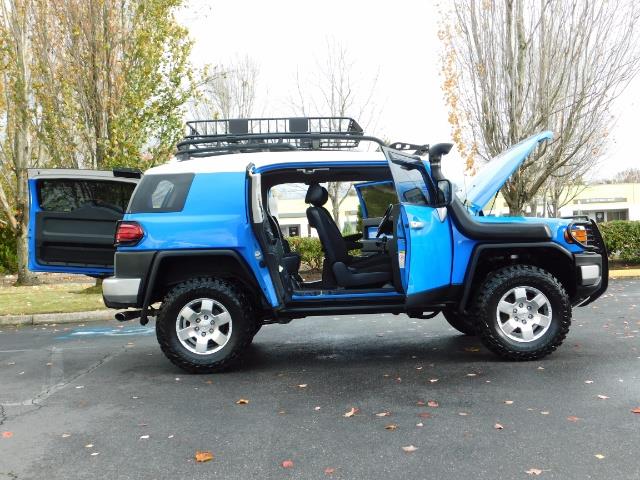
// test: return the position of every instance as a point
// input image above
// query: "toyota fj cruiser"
(197, 237)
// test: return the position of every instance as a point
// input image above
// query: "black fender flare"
(482, 247)
(160, 256)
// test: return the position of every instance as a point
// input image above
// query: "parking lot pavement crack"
(3, 415)
(37, 399)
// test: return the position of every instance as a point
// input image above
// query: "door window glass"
(377, 197)
(409, 181)
(60, 195)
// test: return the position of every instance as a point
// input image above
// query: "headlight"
(576, 234)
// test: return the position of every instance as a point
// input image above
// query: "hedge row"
(310, 250)
(8, 258)
(622, 239)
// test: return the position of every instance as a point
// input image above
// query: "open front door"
(73, 217)
(423, 232)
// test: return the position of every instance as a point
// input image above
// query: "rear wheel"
(204, 325)
(525, 312)
(462, 323)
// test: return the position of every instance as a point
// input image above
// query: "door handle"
(416, 225)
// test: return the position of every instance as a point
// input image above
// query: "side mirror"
(444, 193)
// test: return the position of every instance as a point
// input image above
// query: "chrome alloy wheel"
(204, 326)
(524, 314)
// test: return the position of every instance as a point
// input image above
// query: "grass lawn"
(54, 298)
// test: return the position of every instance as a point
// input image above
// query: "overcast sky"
(395, 41)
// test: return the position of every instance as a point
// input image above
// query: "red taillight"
(129, 233)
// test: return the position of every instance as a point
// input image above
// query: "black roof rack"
(219, 137)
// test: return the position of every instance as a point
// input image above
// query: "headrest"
(316, 195)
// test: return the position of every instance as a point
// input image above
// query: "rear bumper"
(120, 292)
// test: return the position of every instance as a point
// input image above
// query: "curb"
(44, 318)
(630, 273)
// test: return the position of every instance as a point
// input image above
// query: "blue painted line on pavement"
(105, 332)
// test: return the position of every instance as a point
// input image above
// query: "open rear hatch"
(73, 218)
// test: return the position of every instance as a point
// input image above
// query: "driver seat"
(340, 268)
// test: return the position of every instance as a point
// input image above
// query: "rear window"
(57, 195)
(161, 193)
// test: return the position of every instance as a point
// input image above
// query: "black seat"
(340, 268)
(290, 260)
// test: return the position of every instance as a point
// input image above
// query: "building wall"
(292, 215)
(600, 202)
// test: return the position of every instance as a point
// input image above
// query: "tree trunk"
(25, 277)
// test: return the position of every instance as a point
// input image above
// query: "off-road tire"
(233, 299)
(489, 294)
(462, 323)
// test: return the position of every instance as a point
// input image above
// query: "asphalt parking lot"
(101, 401)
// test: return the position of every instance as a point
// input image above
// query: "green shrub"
(8, 255)
(310, 250)
(622, 239)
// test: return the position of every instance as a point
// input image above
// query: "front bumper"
(592, 277)
(120, 292)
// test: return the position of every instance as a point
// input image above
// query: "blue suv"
(197, 246)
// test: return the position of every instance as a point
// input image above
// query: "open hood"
(492, 176)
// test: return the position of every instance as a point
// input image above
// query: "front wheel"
(204, 325)
(525, 312)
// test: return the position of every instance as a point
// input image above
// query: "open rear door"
(73, 218)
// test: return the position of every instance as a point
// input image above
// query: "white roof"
(238, 162)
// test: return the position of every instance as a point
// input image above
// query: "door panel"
(73, 217)
(429, 257)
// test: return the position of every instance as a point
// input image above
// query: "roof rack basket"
(219, 137)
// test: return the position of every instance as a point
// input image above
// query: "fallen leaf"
(419, 424)
(170, 436)
(463, 414)
(7, 434)
(242, 401)
(391, 426)
(497, 426)
(66, 435)
(573, 418)
(540, 368)
(351, 412)
(472, 349)
(144, 437)
(203, 456)
(534, 471)
(420, 403)
(602, 397)
(433, 380)
(209, 382)
(79, 386)
(93, 454)
(588, 381)
(409, 448)
(599, 456)
(317, 408)
(472, 374)
(544, 413)
(287, 464)
(302, 385)
(329, 471)
(89, 445)
(508, 402)
(635, 410)
(432, 403)
(383, 414)
(425, 415)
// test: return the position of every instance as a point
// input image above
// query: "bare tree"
(230, 92)
(336, 91)
(514, 68)
(630, 175)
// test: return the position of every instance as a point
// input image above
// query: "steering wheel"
(385, 223)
